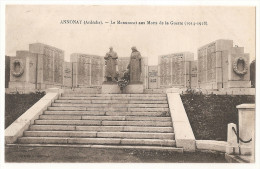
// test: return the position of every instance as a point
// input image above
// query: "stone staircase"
(105, 120)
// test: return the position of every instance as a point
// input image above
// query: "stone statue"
(135, 66)
(111, 62)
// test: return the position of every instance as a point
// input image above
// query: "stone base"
(115, 89)
(134, 88)
(209, 85)
(21, 85)
(110, 89)
(238, 84)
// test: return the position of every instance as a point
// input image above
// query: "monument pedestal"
(238, 84)
(113, 88)
(21, 85)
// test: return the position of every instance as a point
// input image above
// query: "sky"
(26, 24)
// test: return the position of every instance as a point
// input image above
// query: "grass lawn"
(209, 115)
(17, 104)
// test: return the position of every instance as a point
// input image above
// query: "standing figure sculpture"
(135, 66)
(110, 62)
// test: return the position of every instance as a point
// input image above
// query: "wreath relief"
(18, 68)
(235, 66)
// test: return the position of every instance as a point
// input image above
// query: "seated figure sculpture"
(111, 63)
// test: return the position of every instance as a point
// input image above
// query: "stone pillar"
(232, 145)
(246, 116)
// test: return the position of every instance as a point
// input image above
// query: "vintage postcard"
(129, 84)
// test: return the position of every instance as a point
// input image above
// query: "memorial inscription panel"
(178, 69)
(165, 70)
(202, 65)
(48, 65)
(84, 67)
(211, 62)
(96, 70)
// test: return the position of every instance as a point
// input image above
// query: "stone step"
(109, 141)
(124, 147)
(74, 101)
(90, 134)
(137, 113)
(112, 95)
(113, 109)
(115, 118)
(69, 122)
(101, 128)
(113, 101)
(113, 98)
(82, 91)
(115, 105)
(103, 113)
(103, 123)
(96, 113)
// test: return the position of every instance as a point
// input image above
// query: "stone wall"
(216, 65)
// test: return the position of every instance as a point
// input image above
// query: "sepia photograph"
(129, 83)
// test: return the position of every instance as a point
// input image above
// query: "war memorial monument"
(121, 102)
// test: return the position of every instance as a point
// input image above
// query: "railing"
(240, 139)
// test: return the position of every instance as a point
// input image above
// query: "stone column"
(246, 118)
